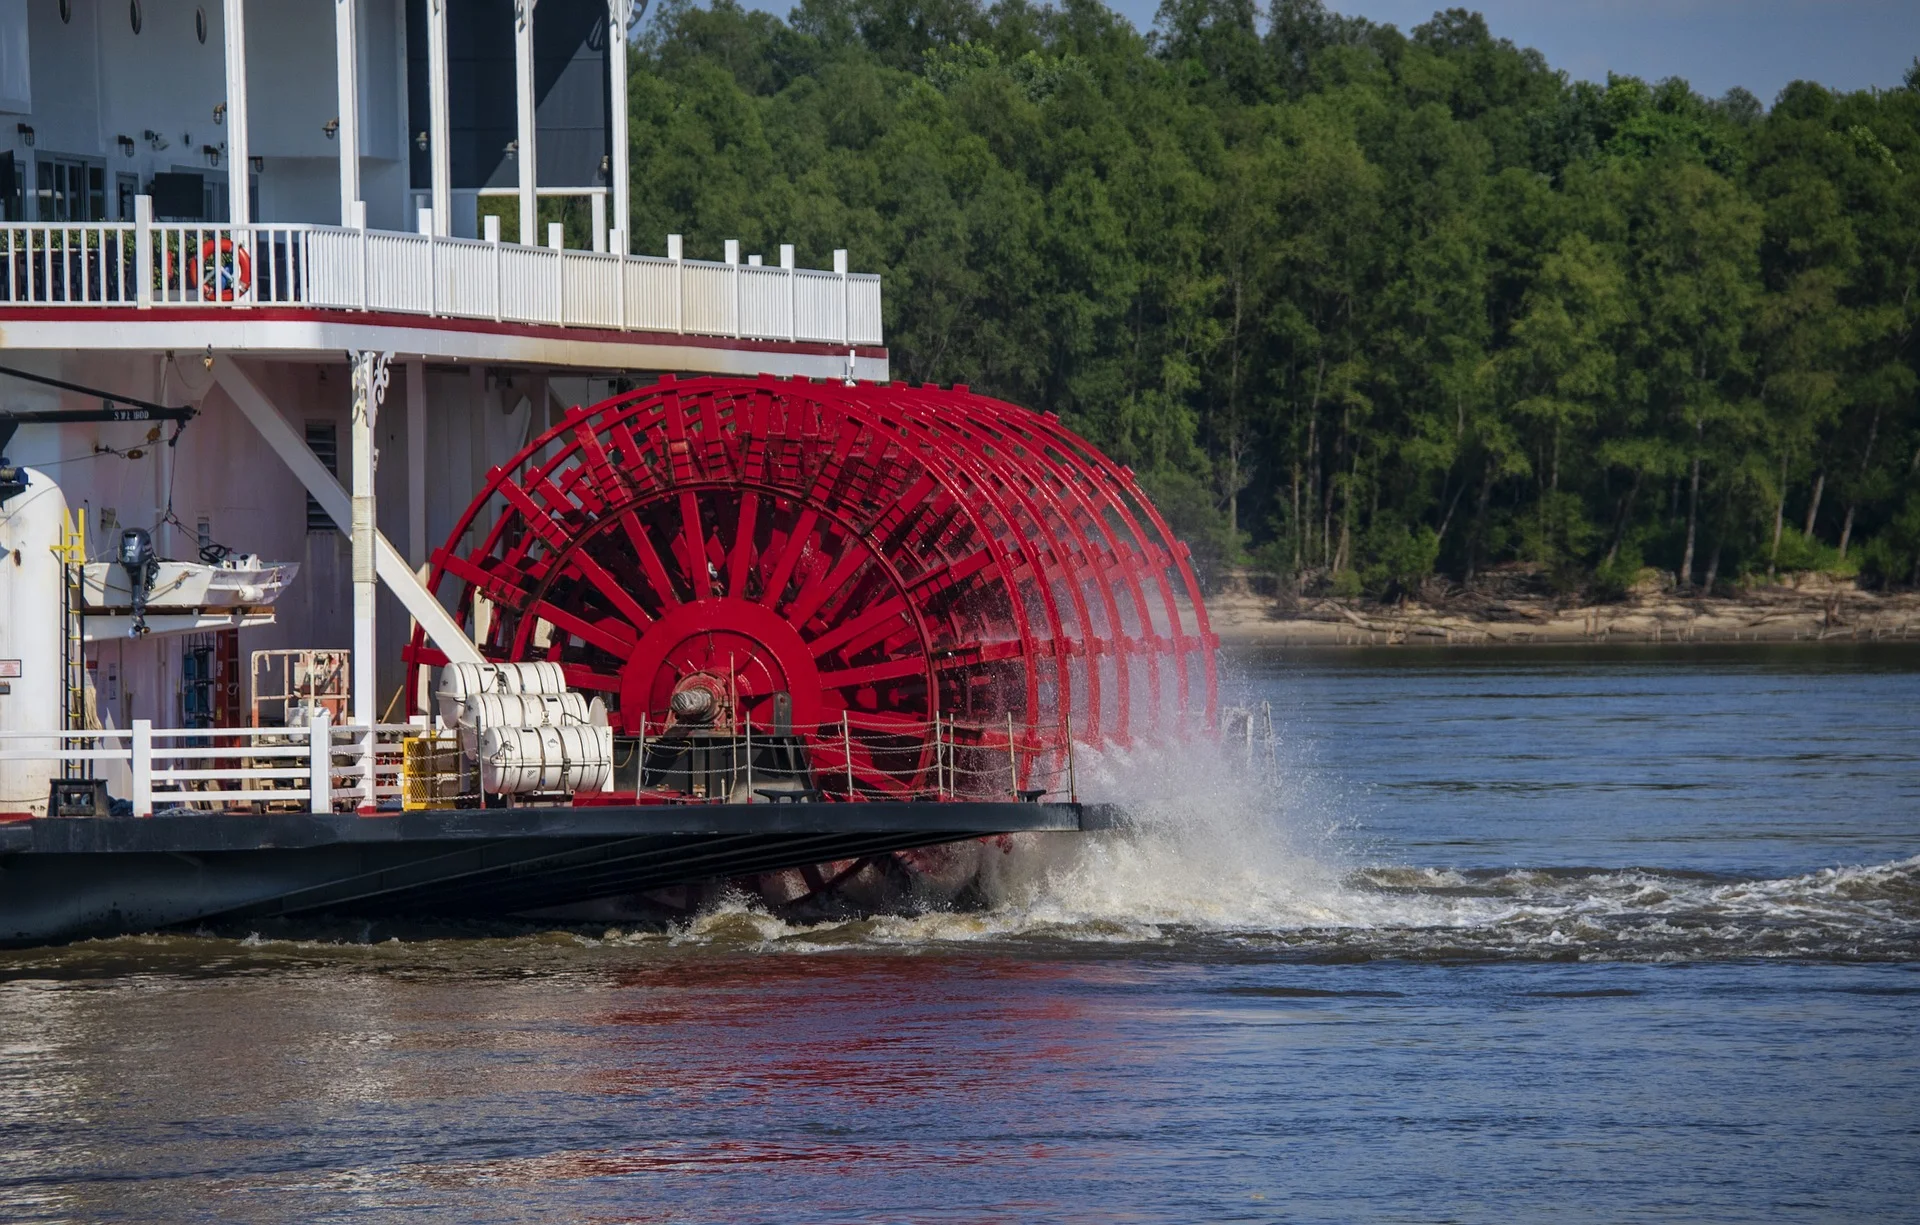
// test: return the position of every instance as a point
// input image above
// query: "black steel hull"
(70, 878)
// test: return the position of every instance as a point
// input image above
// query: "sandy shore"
(1826, 613)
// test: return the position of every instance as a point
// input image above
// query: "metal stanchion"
(846, 747)
(1013, 761)
(1073, 788)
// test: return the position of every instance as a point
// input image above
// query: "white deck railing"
(182, 767)
(170, 768)
(239, 268)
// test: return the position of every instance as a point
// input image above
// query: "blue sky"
(1715, 44)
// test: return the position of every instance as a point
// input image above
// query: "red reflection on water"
(847, 1032)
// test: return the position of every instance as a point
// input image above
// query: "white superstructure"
(273, 211)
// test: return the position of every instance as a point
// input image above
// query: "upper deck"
(293, 290)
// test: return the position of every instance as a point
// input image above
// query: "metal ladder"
(72, 552)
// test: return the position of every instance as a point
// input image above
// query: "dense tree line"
(1359, 306)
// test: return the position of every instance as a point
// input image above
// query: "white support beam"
(442, 630)
(526, 154)
(346, 59)
(618, 12)
(441, 126)
(239, 189)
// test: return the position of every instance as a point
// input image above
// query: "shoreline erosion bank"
(1829, 613)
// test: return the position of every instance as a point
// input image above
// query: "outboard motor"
(137, 559)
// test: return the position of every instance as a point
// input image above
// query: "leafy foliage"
(1361, 306)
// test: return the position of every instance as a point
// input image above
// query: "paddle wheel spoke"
(789, 557)
(742, 545)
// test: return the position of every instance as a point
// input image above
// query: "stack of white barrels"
(525, 730)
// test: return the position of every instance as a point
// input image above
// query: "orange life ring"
(224, 279)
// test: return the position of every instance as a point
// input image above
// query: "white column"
(599, 222)
(346, 59)
(618, 11)
(239, 190)
(369, 385)
(441, 126)
(527, 155)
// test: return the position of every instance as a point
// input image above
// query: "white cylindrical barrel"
(458, 682)
(484, 710)
(31, 611)
(516, 760)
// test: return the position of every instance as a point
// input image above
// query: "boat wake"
(1209, 861)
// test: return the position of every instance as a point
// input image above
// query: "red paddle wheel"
(887, 556)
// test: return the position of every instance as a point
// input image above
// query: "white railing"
(184, 767)
(227, 267)
(856, 758)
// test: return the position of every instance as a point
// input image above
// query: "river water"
(1582, 935)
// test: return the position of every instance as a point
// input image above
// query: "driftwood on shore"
(1810, 613)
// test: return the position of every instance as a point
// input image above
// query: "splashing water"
(1216, 856)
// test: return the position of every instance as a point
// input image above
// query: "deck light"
(212, 153)
(154, 138)
(330, 127)
(420, 142)
(26, 135)
(219, 113)
(256, 163)
(126, 144)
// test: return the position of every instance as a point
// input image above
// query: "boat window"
(69, 189)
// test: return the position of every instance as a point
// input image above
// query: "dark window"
(66, 12)
(323, 439)
(133, 15)
(178, 197)
(200, 24)
(10, 204)
(571, 93)
(70, 190)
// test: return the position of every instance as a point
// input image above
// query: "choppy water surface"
(1610, 936)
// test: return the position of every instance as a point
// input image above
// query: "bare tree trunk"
(1713, 568)
(1779, 517)
(1621, 518)
(1314, 474)
(1447, 519)
(1813, 507)
(1346, 513)
(1853, 496)
(1233, 491)
(1296, 517)
(1479, 518)
(1693, 508)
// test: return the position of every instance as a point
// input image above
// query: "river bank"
(1814, 611)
